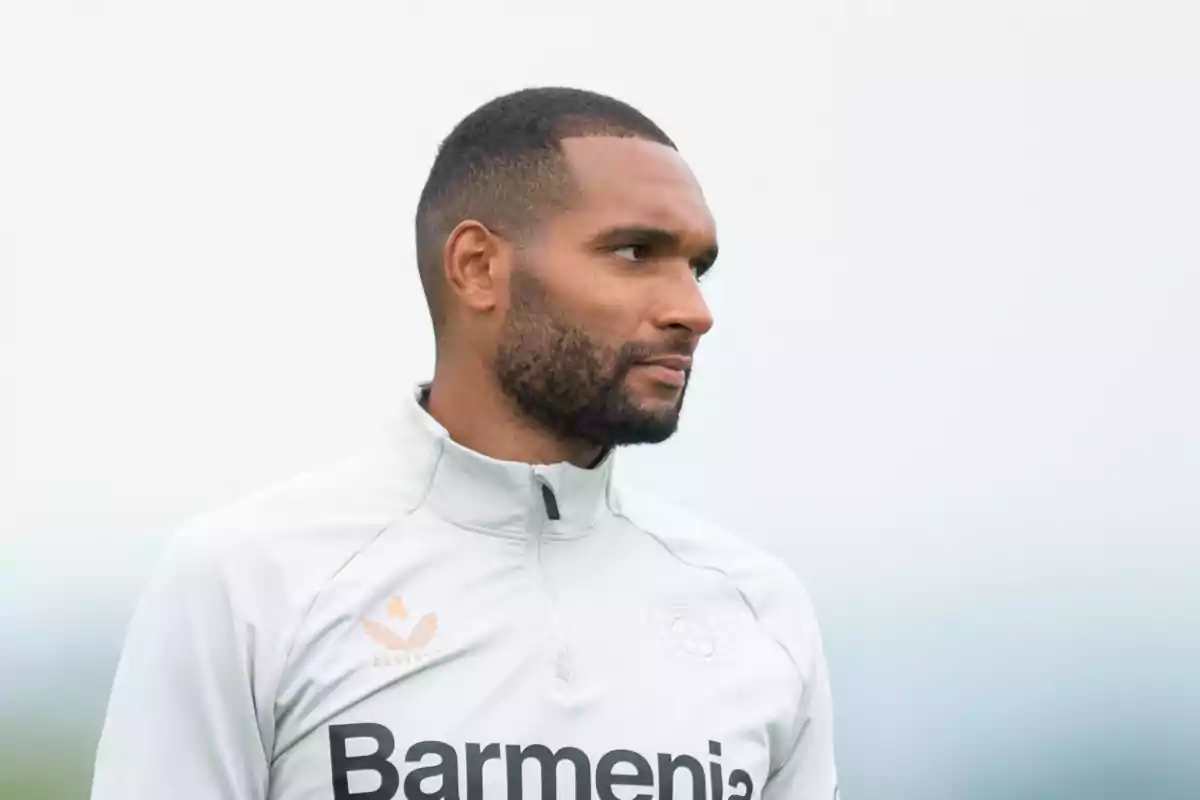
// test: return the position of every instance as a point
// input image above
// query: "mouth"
(668, 370)
(679, 363)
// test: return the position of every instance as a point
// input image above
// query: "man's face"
(604, 306)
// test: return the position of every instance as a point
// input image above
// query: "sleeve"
(809, 771)
(181, 719)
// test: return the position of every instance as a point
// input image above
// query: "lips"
(667, 370)
(680, 363)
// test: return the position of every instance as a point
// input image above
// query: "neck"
(477, 415)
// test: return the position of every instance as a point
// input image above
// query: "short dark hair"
(503, 166)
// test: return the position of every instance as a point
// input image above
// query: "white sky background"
(955, 377)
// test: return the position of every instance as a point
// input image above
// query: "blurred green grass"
(40, 763)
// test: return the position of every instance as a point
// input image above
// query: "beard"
(571, 385)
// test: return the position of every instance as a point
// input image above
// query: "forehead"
(634, 182)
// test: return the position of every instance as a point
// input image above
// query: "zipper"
(550, 512)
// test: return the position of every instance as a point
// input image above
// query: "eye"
(633, 252)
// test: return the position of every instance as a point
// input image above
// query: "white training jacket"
(426, 622)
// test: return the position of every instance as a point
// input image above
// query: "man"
(477, 609)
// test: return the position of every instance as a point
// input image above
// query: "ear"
(476, 262)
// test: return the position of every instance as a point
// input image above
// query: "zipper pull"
(550, 501)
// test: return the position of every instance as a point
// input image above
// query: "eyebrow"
(658, 238)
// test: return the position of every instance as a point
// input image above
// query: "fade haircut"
(503, 165)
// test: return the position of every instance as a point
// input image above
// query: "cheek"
(593, 293)
(608, 305)
(591, 303)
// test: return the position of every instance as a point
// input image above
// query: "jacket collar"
(475, 491)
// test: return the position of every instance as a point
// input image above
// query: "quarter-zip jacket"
(422, 621)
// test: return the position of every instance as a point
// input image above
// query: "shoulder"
(281, 542)
(768, 585)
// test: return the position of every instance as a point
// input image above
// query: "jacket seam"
(320, 590)
(800, 722)
(732, 583)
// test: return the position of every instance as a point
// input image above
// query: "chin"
(638, 416)
(642, 434)
(645, 426)
(659, 408)
(653, 396)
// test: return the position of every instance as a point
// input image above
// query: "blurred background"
(954, 381)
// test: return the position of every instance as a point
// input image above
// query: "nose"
(682, 305)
